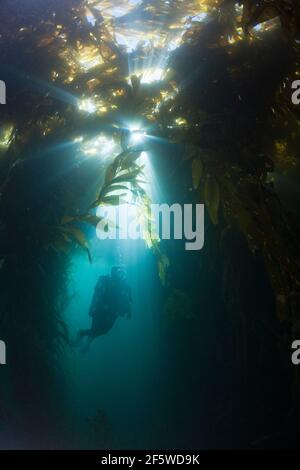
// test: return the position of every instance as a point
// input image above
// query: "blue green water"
(120, 372)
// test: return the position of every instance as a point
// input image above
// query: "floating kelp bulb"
(181, 121)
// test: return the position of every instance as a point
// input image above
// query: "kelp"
(77, 74)
(86, 56)
(256, 13)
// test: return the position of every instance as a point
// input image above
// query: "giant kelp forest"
(208, 83)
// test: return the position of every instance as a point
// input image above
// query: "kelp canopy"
(80, 74)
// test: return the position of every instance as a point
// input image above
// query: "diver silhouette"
(111, 299)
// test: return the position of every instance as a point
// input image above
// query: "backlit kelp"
(85, 78)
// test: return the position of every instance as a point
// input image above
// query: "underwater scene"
(149, 224)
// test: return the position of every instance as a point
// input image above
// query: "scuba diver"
(111, 299)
